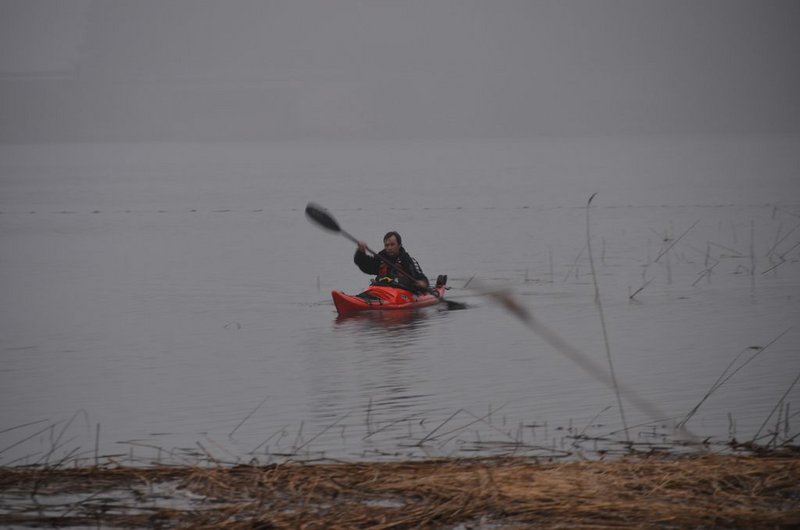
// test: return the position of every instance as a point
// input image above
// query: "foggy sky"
(357, 69)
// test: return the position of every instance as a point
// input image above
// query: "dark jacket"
(382, 269)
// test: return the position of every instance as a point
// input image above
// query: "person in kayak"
(394, 257)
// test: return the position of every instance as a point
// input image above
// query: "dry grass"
(498, 493)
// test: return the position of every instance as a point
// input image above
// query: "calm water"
(165, 301)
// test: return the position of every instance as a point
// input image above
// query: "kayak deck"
(385, 298)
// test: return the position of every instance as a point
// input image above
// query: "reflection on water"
(391, 346)
(405, 323)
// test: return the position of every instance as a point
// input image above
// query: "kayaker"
(394, 257)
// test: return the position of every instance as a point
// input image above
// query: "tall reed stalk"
(777, 405)
(602, 318)
(725, 376)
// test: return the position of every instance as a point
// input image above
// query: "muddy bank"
(655, 491)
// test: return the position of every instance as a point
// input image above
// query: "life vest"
(385, 270)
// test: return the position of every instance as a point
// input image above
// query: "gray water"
(171, 301)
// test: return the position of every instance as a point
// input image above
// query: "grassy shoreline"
(759, 490)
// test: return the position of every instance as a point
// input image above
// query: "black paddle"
(323, 218)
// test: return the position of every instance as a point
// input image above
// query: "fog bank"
(251, 70)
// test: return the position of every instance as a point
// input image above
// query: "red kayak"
(385, 298)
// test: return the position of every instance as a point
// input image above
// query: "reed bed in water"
(752, 491)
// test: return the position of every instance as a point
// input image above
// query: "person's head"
(391, 243)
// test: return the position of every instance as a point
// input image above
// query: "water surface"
(168, 300)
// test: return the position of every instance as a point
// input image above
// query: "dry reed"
(603, 327)
(658, 491)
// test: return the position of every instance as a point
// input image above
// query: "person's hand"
(362, 247)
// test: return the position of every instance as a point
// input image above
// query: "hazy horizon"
(351, 69)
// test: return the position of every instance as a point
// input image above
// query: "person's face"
(391, 247)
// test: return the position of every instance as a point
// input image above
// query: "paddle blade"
(454, 306)
(320, 215)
